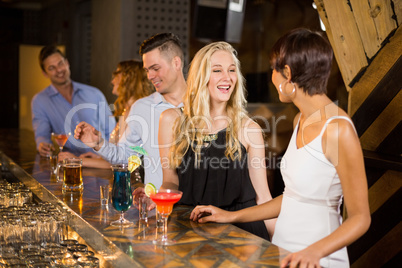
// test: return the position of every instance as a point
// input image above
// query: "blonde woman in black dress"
(211, 150)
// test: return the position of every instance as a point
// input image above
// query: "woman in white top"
(322, 165)
(130, 83)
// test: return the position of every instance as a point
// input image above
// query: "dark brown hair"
(309, 56)
(46, 52)
(167, 43)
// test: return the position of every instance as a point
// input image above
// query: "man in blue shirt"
(163, 60)
(64, 103)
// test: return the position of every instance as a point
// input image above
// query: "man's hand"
(45, 149)
(88, 135)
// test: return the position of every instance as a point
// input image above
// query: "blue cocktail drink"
(121, 193)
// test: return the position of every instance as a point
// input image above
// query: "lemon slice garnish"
(133, 162)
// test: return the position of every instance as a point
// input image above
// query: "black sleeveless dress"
(219, 181)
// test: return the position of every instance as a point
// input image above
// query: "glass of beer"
(72, 170)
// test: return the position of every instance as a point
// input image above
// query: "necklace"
(210, 137)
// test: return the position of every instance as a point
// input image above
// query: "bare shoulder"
(342, 130)
(251, 133)
(170, 115)
(343, 126)
(248, 123)
(342, 123)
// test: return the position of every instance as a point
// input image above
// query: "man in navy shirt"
(64, 103)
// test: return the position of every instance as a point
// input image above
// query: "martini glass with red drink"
(60, 139)
(164, 200)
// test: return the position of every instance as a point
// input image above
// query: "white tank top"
(311, 199)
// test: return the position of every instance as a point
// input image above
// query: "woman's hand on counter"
(204, 214)
(303, 258)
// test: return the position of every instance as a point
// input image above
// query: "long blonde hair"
(134, 84)
(189, 126)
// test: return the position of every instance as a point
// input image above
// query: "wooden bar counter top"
(198, 245)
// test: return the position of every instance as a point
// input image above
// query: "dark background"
(41, 22)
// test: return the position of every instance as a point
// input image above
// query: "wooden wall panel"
(378, 100)
(383, 125)
(383, 222)
(345, 38)
(366, 26)
(392, 144)
(383, 189)
(398, 10)
(383, 252)
(383, 15)
(380, 65)
(374, 21)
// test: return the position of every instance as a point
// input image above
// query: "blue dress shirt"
(142, 130)
(51, 112)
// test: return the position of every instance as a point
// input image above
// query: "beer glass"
(72, 170)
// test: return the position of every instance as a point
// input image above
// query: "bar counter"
(198, 245)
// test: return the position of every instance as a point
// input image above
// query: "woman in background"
(130, 83)
(322, 164)
(211, 150)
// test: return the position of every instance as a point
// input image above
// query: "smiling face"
(223, 76)
(161, 71)
(57, 69)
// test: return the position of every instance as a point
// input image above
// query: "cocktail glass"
(60, 139)
(164, 200)
(122, 197)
